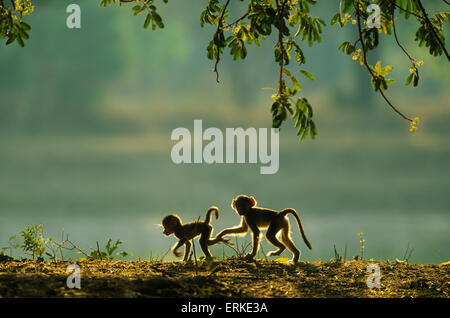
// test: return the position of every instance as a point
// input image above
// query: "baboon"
(255, 217)
(186, 232)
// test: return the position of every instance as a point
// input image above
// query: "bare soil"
(231, 277)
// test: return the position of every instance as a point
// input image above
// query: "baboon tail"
(208, 213)
(300, 227)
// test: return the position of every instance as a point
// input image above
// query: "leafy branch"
(152, 17)
(12, 26)
(438, 37)
(261, 18)
(258, 22)
(378, 76)
(219, 39)
(368, 39)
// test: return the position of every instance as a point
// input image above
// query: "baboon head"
(170, 223)
(242, 204)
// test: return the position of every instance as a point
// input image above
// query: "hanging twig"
(366, 64)
(219, 26)
(396, 37)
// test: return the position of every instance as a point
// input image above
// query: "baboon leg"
(204, 239)
(187, 250)
(271, 237)
(285, 237)
(255, 239)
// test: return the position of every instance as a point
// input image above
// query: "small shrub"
(34, 241)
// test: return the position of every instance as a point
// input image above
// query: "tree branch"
(236, 22)
(396, 37)
(366, 64)
(219, 25)
(280, 43)
(432, 29)
(404, 10)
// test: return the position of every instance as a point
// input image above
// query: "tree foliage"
(12, 26)
(294, 27)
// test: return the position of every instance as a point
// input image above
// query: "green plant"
(157, 258)
(34, 241)
(337, 256)
(193, 253)
(261, 249)
(12, 244)
(240, 250)
(108, 253)
(54, 248)
(407, 254)
(37, 246)
(361, 244)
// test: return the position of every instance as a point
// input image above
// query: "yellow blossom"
(356, 54)
(24, 6)
(382, 71)
(413, 125)
(346, 18)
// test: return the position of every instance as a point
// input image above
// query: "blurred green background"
(86, 117)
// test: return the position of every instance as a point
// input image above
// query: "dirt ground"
(223, 278)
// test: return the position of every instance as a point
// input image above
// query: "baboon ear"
(252, 199)
(233, 204)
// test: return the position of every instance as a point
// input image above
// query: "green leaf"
(148, 19)
(409, 79)
(296, 84)
(308, 75)
(20, 41)
(335, 19)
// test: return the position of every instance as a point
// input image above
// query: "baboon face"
(170, 223)
(242, 204)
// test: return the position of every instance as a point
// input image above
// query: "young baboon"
(255, 217)
(186, 232)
